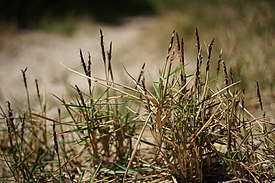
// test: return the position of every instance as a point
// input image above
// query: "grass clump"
(181, 128)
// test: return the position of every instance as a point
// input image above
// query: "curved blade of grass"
(94, 174)
(136, 145)
(95, 79)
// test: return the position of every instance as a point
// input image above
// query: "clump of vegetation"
(182, 128)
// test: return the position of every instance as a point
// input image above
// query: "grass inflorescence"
(181, 128)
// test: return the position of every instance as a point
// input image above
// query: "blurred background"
(40, 34)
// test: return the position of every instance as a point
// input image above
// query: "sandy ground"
(44, 52)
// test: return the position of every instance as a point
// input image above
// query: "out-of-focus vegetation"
(27, 14)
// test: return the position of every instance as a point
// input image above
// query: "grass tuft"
(184, 127)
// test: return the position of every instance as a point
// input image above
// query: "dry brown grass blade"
(196, 134)
(54, 121)
(103, 82)
(249, 113)
(184, 86)
(56, 148)
(225, 88)
(136, 146)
